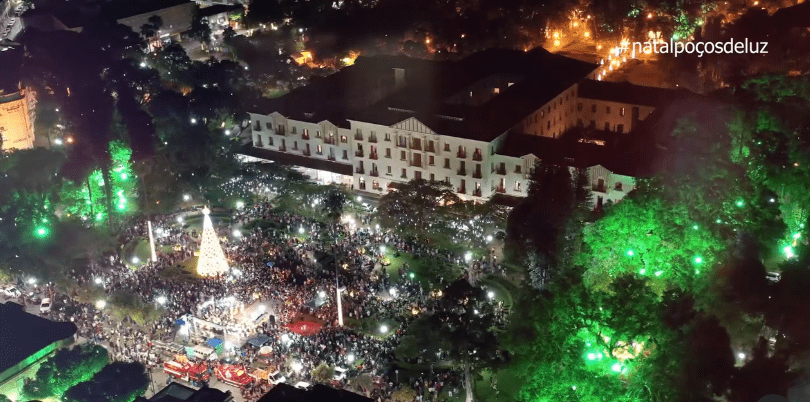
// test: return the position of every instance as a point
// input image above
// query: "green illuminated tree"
(65, 369)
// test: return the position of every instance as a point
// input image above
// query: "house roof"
(433, 91)
(25, 334)
(11, 60)
(553, 150)
(77, 13)
(319, 393)
(625, 92)
(175, 392)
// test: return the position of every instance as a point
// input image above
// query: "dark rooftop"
(433, 91)
(319, 393)
(625, 92)
(77, 13)
(285, 158)
(10, 62)
(220, 8)
(175, 392)
(560, 151)
(23, 334)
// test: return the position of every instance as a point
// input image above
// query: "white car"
(276, 377)
(340, 374)
(12, 292)
(45, 306)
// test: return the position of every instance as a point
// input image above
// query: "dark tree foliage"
(117, 382)
(415, 204)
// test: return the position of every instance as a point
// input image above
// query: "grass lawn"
(186, 271)
(427, 271)
(136, 253)
(506, 386)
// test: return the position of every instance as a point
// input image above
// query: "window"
(319, 150)
(417, 174)
(447, 163)
(607, 126)
(447, 147)
(517, 185)
(387, 137)
(388, 152)
(548, 125)
(257, 126)
(432, 177)
(295, 145)
(345, 154)
(359, 132)
(496, 90)
(306, 132)
(269, 140)
(549, 109)
(294, 130)
(621, 111)
(388, 171)
(517, 168)
(560, 101)
(593, 108)
(343, 138)
(430, 160)
(317, 133)
(542, 113)
(620, 128)
(404, 173)
(269, 125)
(402, 155)
(607, 109)
(579, 106)
(618, 186)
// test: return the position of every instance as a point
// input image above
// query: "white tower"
(212, 260)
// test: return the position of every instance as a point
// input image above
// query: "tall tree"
(412, 207)
(334, 203)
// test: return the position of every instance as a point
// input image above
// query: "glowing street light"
(227, 132)
(489, 238)
(193, 121)
(186, 197)
(359, 198)
(161, 300)
(179, 219)
(143, 64)
(741, 356)
(468, 256)
(321, 294)
(490, 294)
(98, 281)
(350, 358)
(240, 204)
(32, 281)
(383, 329)
(301, 230)
(101, 304)
(136, 260)
(237, 233)
(297, 366)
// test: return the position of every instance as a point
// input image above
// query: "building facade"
(17, 119)
(482, 135)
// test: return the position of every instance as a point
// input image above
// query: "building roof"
(434, 92)
(11, 60)
(319, 393)
(220, 8)
(625, 92)
(175, 392)
(78, 13)
(285, 158)
(554, 150)
(23, 334)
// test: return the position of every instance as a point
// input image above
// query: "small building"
(319, 393)
(25, 341)
(221, 16)
(17, 105)
(175, 392)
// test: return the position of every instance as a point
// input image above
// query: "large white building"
(480, 123)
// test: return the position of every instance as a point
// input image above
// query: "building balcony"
(404, 176)
(375, 173)
(461, 172)
(360, 170)
(358, 154)
(358, 137)
(330, 141)
(500, 171)
(416, 146)
(461, 190)
(476, 174)
(331, 158)
(500, 189)
(280, 132)
(476, 193)
(402, 144)
(307, 153)
(478, 156)
(372, 139)
(599, 189)
(461, 155)
(430, 149)
(416, 164)
(362, 185)
(305, 136)
(372, 155)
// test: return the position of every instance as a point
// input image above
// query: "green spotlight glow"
(658, 273)
(630, 253)
(99, 216)
(616, 367)
(124, 176)
(642, 271)
(698, 260)
(695, 227)
(41, 232)
(797, 235)
(788, 250)
(740, 203)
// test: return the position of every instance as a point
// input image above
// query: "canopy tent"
(258, 341)
(215, 344)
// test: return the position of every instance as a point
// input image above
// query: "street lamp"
(101, 304)
(32, 281)
(491, 294)
(301, 230)
(193, 121)
(383, 329)
(489, 238)
(240, 204)
(136, 260)
(237, 233)
(186, 197)
(161, 300)
(382, 249)
(468, 256)
(297, 366)
(359, 198)
(98, 281)
(321, 294)
(350, 358)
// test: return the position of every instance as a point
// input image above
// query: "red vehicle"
(233, 375)
(181, 368)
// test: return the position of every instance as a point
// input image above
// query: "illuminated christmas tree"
(212, 260)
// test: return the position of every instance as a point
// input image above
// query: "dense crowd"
(290, 261)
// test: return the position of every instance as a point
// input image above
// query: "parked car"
(45, 306)
(12, 292)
